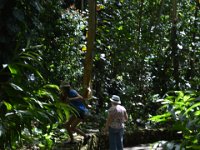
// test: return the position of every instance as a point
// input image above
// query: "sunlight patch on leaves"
(161, 118)
(16, 87)
(8, 105)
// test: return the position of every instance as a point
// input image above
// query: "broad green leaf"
(170, 98)
(60, 115)
(39, 74)
(53, 86)
(45, 93)
(13, 69)
(180, 95)
(8, 105)
(43, 117)
(186, 98)
(29, 67)
(30, 56)
(197, 113)
(63, 108)
(161, 118)
(192, 107)
(38, 102)
(193, 147)
(16, 87)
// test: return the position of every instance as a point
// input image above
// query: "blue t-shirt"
(76, 103)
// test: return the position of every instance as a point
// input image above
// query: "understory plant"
(180, 111)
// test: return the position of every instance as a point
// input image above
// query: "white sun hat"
(115, 99)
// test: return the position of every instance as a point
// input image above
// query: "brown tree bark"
(87, 77)
(174, 47)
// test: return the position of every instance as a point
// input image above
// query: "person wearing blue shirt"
(73, 98)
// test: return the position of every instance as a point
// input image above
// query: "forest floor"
(94, 142)
(149, 146)
(139, 147)
(143, 147)
(159, 145)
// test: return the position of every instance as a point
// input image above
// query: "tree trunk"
(90, 48)
(174, 47)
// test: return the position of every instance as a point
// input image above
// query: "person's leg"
(112, 139)
(69, 127)
(119, 139)
(74, 127)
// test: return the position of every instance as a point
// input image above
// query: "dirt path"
(139, 147)
(146, 147)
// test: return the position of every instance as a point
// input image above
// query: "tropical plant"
(29, 94)
(145, 48)
(26, 106)
(180, 112)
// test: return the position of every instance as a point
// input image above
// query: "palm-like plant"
(181, 110)
(25, 106)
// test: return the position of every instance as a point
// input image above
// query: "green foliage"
(180, 111)
(62, 55)
(41, 45)
(134, 57)
(135, 40)
(23, 110)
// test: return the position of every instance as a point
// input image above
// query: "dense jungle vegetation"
(145, 51)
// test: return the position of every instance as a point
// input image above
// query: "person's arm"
(77, 97)
(125, 116)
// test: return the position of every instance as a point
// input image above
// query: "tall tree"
(174, 47)
(90, 48)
